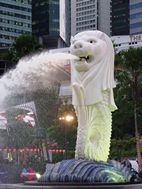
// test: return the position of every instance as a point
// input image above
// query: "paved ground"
(22, 186)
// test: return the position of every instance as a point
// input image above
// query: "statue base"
(60, 185)
(67, 185)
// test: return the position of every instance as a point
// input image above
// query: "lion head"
(88, 47)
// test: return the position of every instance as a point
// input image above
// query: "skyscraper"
(126, 17)
(104, 13)
(83, 15)
(120, 17)
(15, 19)
(45, 22)
(135, 16)
(90, 15)
(65, 20)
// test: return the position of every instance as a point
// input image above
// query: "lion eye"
(92, 41)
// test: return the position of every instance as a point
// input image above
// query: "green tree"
(129, 78)
(25, 44)
(121, 147)
(62, 132)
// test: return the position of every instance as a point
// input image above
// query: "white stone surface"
(92, 81)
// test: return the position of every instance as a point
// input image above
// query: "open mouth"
(84, 57)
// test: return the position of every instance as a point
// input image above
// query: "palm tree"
(129, 66)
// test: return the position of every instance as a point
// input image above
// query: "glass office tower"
(15, 19)
(135, 17)
(120, 17)
(45, 21)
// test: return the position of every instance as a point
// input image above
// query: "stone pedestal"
(36, 185)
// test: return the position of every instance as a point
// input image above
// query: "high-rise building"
(104, 12)
(83, 15)
(90, 15)
(65, 20)
(15, 19)
(120, 17)
(45, 22)
(126, 17)
(135, 16)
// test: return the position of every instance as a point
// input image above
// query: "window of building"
(136, 25)
(136, 5)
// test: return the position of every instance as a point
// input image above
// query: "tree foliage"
(121, 147)
(64, 133)
(128, 72)
(25, 44)
(128, 119)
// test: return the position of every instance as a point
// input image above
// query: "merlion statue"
(92, 79)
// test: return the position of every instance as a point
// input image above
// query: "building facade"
(135, 16)
(45, 17)
(83, 15)
(120, 17)
(123, 42)
(65, 21)
(90, 15)
(45, 22)
(126, 17)
(15, 19)
(104, 13)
